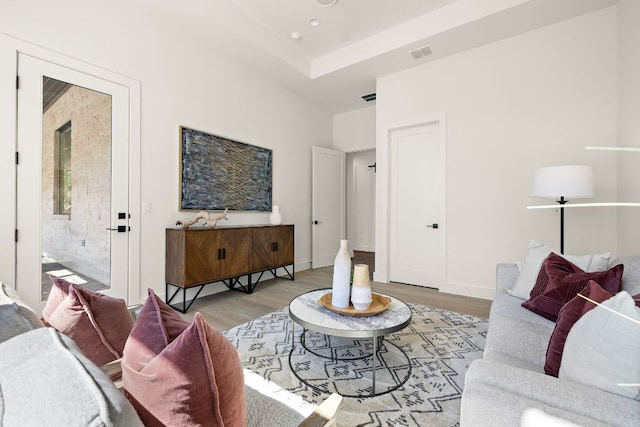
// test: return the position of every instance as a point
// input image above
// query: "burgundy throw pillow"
(176, 373)
(562, 280)
(570, 313)
(99, 324)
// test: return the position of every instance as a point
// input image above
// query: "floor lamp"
(560, 183)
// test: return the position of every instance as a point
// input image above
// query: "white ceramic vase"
(275, 217)
(341, 277)
(361, 292)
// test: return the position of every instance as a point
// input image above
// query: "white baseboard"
(301, 266)
(469, 290)
(379, 277)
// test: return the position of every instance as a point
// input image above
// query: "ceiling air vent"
(369, 97)
(421, 52)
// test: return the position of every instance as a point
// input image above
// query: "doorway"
(361, 206)
(72, 180)
(417, 208)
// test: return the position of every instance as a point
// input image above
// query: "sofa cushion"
(504, 305)
(532, 263)
(99, 324)
(568, 316)
(517, 339)
(602, 349)
(47, 381)
(15, 316)
(497, 395)
(514, 361)
(631, 276)
(176, 373)
(534, 417)
(560, 280)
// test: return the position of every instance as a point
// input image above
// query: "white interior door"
(72, 180)
(417, 215)
(328, 205)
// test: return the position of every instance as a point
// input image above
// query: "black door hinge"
(16, 235)
(17, 158)
(17, 82)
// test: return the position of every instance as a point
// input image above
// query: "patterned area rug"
(426, 361)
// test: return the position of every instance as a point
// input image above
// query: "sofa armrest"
(506, 277)
(325, 414)
(46, 380)
(113, 370)
(134, 310)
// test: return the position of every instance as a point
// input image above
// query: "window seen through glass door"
(62, 188)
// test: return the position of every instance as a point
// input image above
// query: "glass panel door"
(76, 185)
(72, 181)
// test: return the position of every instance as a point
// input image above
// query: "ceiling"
(357, 41)
(341, 24)
(52, 90)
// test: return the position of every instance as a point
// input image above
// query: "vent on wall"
(369, 97)
(421, 52)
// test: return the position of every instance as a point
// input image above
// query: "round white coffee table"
(306, 312)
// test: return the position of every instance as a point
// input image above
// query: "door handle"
(120, 229)
(317, 222)
(432, 225)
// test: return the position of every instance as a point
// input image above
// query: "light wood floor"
(230, 308)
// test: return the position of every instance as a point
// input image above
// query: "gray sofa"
(45, 380)
(510, 378)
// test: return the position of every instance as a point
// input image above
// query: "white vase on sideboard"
(275, 217)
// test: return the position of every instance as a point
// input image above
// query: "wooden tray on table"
(379, 304)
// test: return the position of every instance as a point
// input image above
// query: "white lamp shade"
(563, 181)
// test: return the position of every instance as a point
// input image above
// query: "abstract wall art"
(219, 173)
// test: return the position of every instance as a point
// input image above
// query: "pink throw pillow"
(99, 324)
(176, 373)
(570, 313)
(560, 280)
(59, 291)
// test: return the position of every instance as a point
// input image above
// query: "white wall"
(355, 130)
(184, 82)
(533, 100)
(629, 124)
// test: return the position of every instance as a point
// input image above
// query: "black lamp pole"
(562, 202)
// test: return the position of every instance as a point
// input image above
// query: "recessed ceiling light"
(326, 3)
(296, 36)
(314, 22)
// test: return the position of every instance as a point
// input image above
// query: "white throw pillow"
(592, 262)
(603, 348)
(533, 262)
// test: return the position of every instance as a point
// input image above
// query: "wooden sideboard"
(196, 257)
